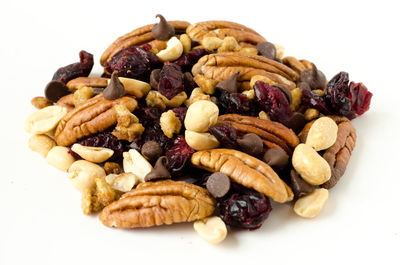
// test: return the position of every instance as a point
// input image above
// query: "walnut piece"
(82, 94)
(128, 127)
(112, 168)
(170, 124)
(41, 102)
(93, 200)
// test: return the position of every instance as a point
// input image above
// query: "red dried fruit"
(313, 100)
(178, 155)
(180, 112)
(236, 103)
(336, 94)
(360, 98)
(71, 71)
(226, 134)
(106, 140)
(171, 82)
(187, 60)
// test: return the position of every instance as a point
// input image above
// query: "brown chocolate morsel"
(267, 49)
(251, 144)
(188, 82)
(55, 90)
(298, 185)
(162, 30)
(303, 85)
(154, 78)
(159, 171)
(214, 100)
(115, 88)
(229, 84)
(285, 90)
(313, 77)
(276, 158)
(297, 122)
(151, 150)
(218, 184)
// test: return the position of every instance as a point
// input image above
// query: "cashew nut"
(200, 141)
(211, 229)
(173, 51)
(322, 134)
(82, 174)
(135, 163)
(59, 157)
(92, 154)
(311, 204)
(44, 120)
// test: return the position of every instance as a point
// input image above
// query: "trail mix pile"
(202, 123)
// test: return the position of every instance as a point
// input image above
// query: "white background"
(40, 216)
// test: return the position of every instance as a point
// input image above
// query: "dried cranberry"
(236, 103)
(106, 140)
(178, 155)
(274, 102)
(336, 94)
(226, 134)
(189, 59)
(180, 113)
(360, 98)
(146, 47)
(313, 100)
(171, 82)
(148, 116)
(71, 71)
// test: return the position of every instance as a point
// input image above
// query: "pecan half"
(158, 203)
(67, 102)
(245, 170)
(79, 82)
(273, 134)
(219, 66)
(338, 155)
(138, 37)
(95, 115)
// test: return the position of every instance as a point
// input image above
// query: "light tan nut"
(112, 168)
(211, 229)
(155, 99)
(98, 197)
(135, 163)
(296, 99)
(201, 115)
(128, 127)
(265, 79)
(207, 85)
(311, 204)
(311, 114)
(175, 101)
(123, 182)
(41, 143)
(249, 50)
(200, 141)
(186, 42)
(92, 154)
(173, 51)
(83, 94)
(211, 43)
(197, 94)
(319, 92)
(263, 115)
(134, 87)
(82, 174)
(322, 134)
(249, 93)
(41, 102)
(310, 165)
(307, 64)
(229, 44)
(44, 120)
(59, 157)
(170, 124)
(280, 50)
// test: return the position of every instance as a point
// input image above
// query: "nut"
(322, 134)
(98, 82)
(296, 99)
(311, 204)
(201, 141)
(319, 92)
(265, 79)
(211, 43)
(92, 154)
(197, 94)
(96, 198)
(173, 51)
(135, 163)
(207, 85)
(310, 165)
(41, 143)
(82, 94)
(211, 229)
(280, 50)
(186, 42)
(229, 44)
(134, 87)
(128, 127)
(44, 120)
(249, 50)
(59, 157)
(311, 114)
(82, 174)
(155, 99)
(123, 182)
(264, 116)
(112, 168)
(201, 115)
(170, 124)
(249, 93)
(41, 102)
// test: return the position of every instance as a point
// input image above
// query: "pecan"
(338, 155)
(158, 203)
(294, 64)
(138, 37)
(273, 134)
(219, 66)
(67, 102)
(95, 115)
(245, 170)
(79, 82)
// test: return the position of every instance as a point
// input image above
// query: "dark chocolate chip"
(285, 90)
(298, 185)
(276, 158)
(56, 90)
(214, 100)
(229, 84)
(115, 88)
(154, 78)
(297, 122)
(162, 30)
(151, 150)
(313, 77)
(188, 83)
(159, 171)
(267, 49)
(251, 144)
(218, 184)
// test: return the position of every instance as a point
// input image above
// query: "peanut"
(92, 154)
(201, 115)
(59, 157)
(186, 42)
(41, 143)
(322, 134)
(311, 204)
(201, 141)
(41, 102)
(44, 120)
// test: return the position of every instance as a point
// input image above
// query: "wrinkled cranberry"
(133, 62)
(226, 134)
(71, 71)
(236, 103)
(106, 140)
(187, 60)
(313, 100)
(360, 98)
(178, 155)
(180, 112)
(336, 94)
(171, 82)
(274, 102)
(146, 47)
(148, 116)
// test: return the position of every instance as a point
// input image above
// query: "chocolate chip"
(56, 90)
(229, 84)
(218, 184)
(276, 158)
(303, 85)
(267, 49)
(115, 88)
(313, 77)
(159, 171)
(162, 30)
(151, 150)
(188, 82)
(297, 122)
(154, 77)
(285, 90)
(298, 185)
(251, 144)
(214, 100)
